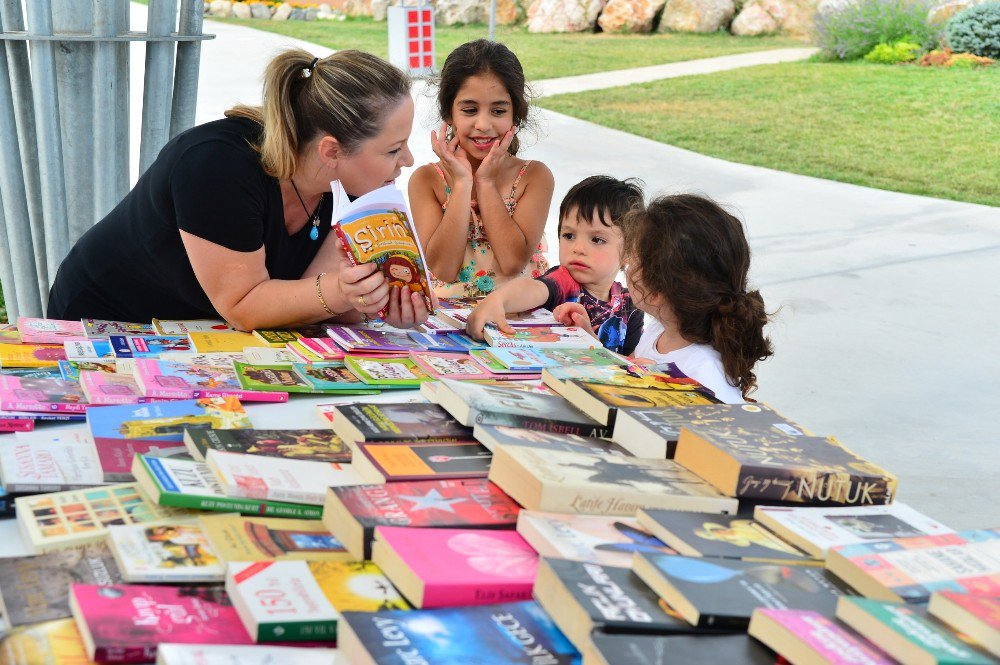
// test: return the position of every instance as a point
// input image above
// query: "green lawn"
(542, 55)
(910, 129)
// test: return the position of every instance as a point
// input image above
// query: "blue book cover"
(165, 421)
(442, 343)
(505, 634)
(466, 342)
(152, 347)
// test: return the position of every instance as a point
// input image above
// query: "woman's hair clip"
(307, 72)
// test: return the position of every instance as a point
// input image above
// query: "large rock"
(260, 10)
(509, 12)
(629, 15)
(221, 8)
(696, 15)
(378, 8)
(753, 21)
(764, 17)
(563, 15)
(282, 12)
(460, 12)
(241, 10)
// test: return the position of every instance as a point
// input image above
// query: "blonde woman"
(232, 220)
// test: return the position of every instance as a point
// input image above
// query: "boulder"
(260, 10)
(461, 12)
(282, 12)
(241, 10)
(629, 15)
(221, 8)
(298, 14)
(378, 9)
(311, 14)
(563, 15)
(794, 18)
(754, 20)
(696, 15)
(509, 12)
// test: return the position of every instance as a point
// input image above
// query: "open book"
(378, 227)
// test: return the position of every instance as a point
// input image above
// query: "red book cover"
(16, 425)
(124, 623)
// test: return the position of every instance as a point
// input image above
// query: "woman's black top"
(208, 181)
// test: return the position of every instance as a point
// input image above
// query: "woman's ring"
(361, 301)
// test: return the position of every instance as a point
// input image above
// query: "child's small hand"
(573, 314)
(489, 169)
(488, 311)
(454, 162)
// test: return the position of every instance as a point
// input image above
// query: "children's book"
(69, 370)
(322, 348)
(214, 342)
(440, 343)
(9, 334)
(815, 530)
(174, 551)
(190, 484)
(905, 634)
(371, 340)
(48, 462)
(148, 347)
(173, 327)
(107, 389)
(570, 482)
(387, 372)
(975, 616)
(420, 460)
(279, 479)
(910, 569)
(101, 329)
(456, 366)
(214, 359)
(492, 436)
(520, 359)
(807, 636)
(299, 600)
(532, 318)
(466, 341)
(207, 654)
(276, 338)
(377, 228)
(265, 355)
(163, 379)
(540, 337)
(455, 567)
(36, 588)
(81, 517)
(608, 541)
(352, 513)
(498, 370)
(332, 377)
(280, 378)
(45, 395)
(509, 633)
(723, 593)
(124, 623)
(243, 538)
(49, 331)
(31, 355)
(47, 372)
(99, 349)
(15, 419)
(47, 642)
(302, 444)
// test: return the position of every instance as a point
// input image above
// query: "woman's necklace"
(314, 217)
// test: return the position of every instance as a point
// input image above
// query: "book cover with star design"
(420, 460)
(352, 513)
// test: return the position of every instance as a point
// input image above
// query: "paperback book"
(47, 642)
(101, 329)
(175, 551)
(301, 444)
(30, 355)
(208, 654)
(489, 362)
(215, 342)
(278, 479)
(387, 372)
(403, 421)
(975, 616)
(492, 436)
(276, 338)
(458, 366)
(148, 347)
(372, 340)
(106, 389)
(242, 538)
(618, 649)
(49, 331)
(603, 401)
(89, 350)
(48, 462)
(541, 337)
(385, 462)
(807, 636)
(44, 395)
(183, 327)
(164, 379)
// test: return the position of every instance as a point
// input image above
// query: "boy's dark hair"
(688, 250)
(482, 56)
(607, 197)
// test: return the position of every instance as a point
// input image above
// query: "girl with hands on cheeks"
(480, 210)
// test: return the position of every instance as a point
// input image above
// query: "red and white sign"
(411, 38)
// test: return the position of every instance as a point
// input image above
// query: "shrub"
(947, 58)
(853, 29)
(891, 54)
(976, 30)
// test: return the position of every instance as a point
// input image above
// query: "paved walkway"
(886, 304)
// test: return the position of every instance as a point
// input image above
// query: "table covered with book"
(182, 492)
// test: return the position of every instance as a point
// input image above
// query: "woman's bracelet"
(322, 300)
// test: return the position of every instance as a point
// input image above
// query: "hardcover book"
(36, 588)
(541, 337)
(105, 389)
(492, 436)
(804, 636)
(278, 479)
(101, 329)
(30, 355)
(377, 228)
(352, 513)
(170, 552)
(396, 422)
(975, 616)
(49, 331)
(910, 569)
(583, 596)
(239, 538)
(421, 460)
(905, 635)
(387, 372)
(616, 649)
(723, 593)
(608, 541)
(190, 484)
(44, 462)
(456, 366)
(164, 379)
(455, 567)
(207, 654)
(314, 445)
(815, 530)
(726, 536)
(570, 482)
(44, 395)
(124, 623)
(81, 517)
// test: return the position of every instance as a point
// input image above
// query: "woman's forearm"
(283, 303)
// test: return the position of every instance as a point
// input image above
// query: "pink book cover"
(325, 347)
(158, 378)
(115, 455)
(834, 644)
(103, 389)
(50, 331)
(15, 425)
(465, 566)
(127, 621)
(459, 366)
(41, 394)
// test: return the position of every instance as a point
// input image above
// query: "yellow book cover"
(31, 355)
(219, 342)
(237, 538)
(356, 587)
(48, 643)
(277, 339)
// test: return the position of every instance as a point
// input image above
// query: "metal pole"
(158, 82)
(493, 19)
(186, 73)
(121, 109)
(106, 163)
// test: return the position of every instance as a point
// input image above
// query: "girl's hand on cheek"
(489, 170)
(454, 162)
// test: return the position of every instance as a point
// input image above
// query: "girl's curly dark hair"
(690, 252)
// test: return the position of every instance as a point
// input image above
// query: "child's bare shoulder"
(536, 173)
(425, 180)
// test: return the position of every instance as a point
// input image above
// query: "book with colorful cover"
(403, 421)
(148, 347)
(164, 379)
(49, 642)
(209, 654)
(497, 369)
(99, 349)
(48, 462)
(279, 479)
(452, 567)
(211, 359)
(466, 341)
(190, 484)
(49, 331)
(183, 327)
(377, 228)
(279, 378)
(439, 342)
(420, 460)
(276, 338)
(807, 636)
(492, 436)
(458, 366)
(214, 342)
(816, 529)
(603, 401)
(102, 329)
(509, 633)
(352, 513)
(36, 588)
(47, 372)
(531, 318)
(521, 359)
(541, 337)
(9, 334)
(723, 593)
(16, 424)
(906, 635)
(323, 348)
(266, 355)
(975, 616)
(372, 340)
(170, 552)
(600, 539)
(15, 419)
(387, 372)
(910, 569)
(31, 355)
(124, 623)
(244, 538)
(81, 517)
(302, 444)
(107, 389)
(44, 395)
